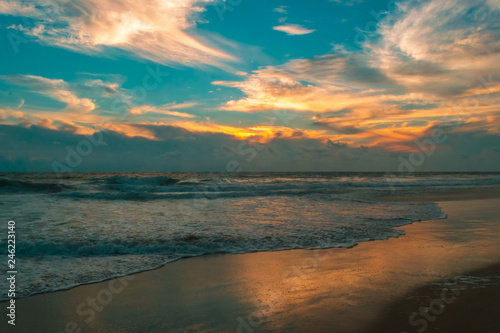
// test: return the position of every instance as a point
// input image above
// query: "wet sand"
(469, 304)
(373, 287)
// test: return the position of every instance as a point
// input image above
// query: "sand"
(473, 309)
(373, 287)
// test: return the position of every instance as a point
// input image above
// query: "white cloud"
(17, 8)
(56, 89)
(293, 29)
(494, 4)
(280, 9)
(157, 30)
(282, 19)
(347, 2)
(440, 46)
(165, 109)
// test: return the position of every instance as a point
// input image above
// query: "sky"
(250, 85)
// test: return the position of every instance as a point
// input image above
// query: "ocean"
(78, 228)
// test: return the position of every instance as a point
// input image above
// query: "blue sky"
(328, 85)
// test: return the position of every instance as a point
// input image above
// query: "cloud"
(54, 88)
(281, 9)
(430, 63)
(163, 110)
(293, 29)
(104, 88)
(495, 4)
(347, 2)
(322, 84)
(158, 30)
(17, 8)
(117, 104)
(439, 46)
(143, 121)
(178, 149)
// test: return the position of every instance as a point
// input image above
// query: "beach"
(373, 287)
(212, 166)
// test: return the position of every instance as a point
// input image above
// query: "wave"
(197, 244)
(15, 186)
(72, 261)
(133, 195)
(144, 187)
(79, 241)
(138, 187)
(141, 181)
(157, 188)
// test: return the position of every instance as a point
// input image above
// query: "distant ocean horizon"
(83, 227)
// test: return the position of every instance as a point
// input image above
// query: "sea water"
(78, 228)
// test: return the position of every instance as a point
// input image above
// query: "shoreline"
(276, 290)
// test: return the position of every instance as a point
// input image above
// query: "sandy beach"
(373, 287)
